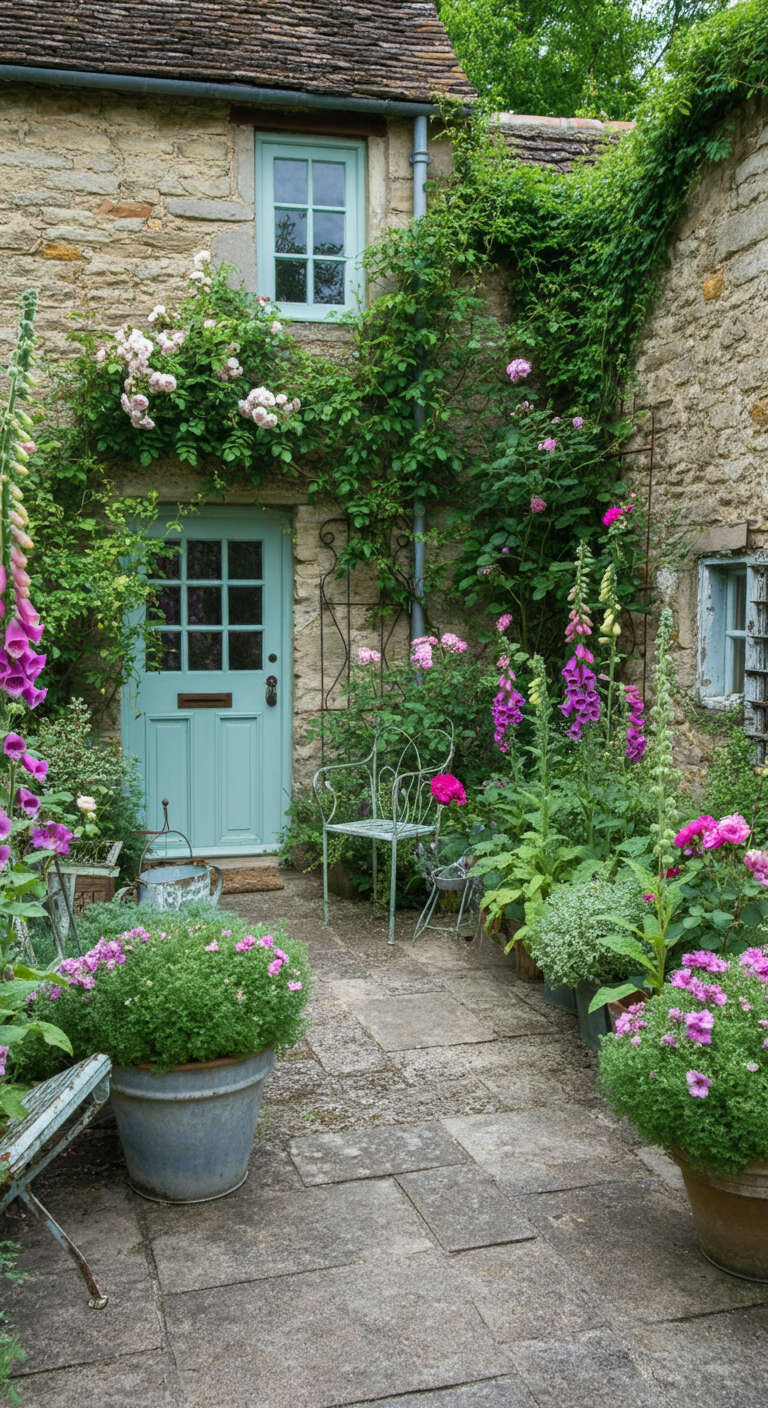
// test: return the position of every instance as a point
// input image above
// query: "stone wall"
(703, 371)
(105, 199)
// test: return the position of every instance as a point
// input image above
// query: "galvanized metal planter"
(171, 886)
(187, 1133)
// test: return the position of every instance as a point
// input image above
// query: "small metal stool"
(447, 878)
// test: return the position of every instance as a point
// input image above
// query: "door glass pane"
(245, 650)
(169, 563)
(203, 606)
(328, 183)
(204, 650)
(738, 600)
(290, 181)
(165, 605)
(736, 684)
(328, 232)
(245, 561)
(291, 232)
(329, 282)
(203, 559)
(291, 280)
(164, 652)
(245, 606)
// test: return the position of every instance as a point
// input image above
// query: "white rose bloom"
(86, 804)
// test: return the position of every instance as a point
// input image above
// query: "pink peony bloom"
(446, 788)
(734, 829)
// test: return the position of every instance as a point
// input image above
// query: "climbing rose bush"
(690, 1066)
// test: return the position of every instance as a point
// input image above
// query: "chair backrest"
(403, 783)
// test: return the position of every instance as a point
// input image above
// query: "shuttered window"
(733, 639)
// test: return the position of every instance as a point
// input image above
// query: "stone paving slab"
(464, 1208)
(494, 1393)
(424, 1019)
(278, 1233)
(372, 1153)
(494, 1001)
(527, 1292)
(60, 1329)
(329, 1338)
(141, 1381)
(342, 1047)
(538, 1150)
(593, 1372)
(636, 1242)
(723, 1355)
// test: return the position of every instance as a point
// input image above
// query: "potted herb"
(568, 941)
(690, 1069)
(191, 1015)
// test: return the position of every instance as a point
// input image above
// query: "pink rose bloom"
(367, 656)
(518, 369)
(693, 829)
(612, 515)
(538, 505)
(446, 788)
(453, 643)
(734, 829)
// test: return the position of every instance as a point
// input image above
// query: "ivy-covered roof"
(387, 49)
(557, 142)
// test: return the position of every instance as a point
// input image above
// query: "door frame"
(282, 518)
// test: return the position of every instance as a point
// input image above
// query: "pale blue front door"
(210, 723)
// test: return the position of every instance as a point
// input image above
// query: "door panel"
(198, 719)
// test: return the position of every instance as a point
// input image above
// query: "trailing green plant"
(734, 780)
(566, 936)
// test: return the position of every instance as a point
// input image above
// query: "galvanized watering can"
(170, 886)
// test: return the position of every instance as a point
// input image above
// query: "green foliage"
(727, 1128)
(11, 1351)
(569, 60)
(566, 937)
(174, 999)
(734, 783)
(81, 762)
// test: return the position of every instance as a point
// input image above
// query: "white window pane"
(328, 183)
(290, 177)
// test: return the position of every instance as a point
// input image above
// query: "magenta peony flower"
(734, 829)
(446, 788)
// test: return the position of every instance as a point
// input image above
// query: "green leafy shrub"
(734, 783)
(183, 992)
(566, 937)
(11, 1351)
(691, 1070)
(79, 762)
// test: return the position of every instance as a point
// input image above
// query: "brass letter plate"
(204, 701)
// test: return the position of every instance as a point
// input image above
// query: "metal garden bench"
(397, 803)
(58, 1110)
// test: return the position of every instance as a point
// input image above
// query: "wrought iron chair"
(397, 794)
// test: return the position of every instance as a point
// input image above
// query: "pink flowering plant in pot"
(689, 1067)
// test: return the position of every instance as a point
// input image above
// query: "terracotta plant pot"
(730, 1211)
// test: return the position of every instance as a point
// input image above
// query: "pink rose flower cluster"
(706, 834)
(265, 408)
(518, 369)
(422, 648)
(367, 656)
(446, 788)
(538, 504)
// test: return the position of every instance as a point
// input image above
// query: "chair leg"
(374, 871)
(422, 922)
(392, 891)
(325, 877)
(96, 1301)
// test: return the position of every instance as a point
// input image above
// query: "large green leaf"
(604, 995)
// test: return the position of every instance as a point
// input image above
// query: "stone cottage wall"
(702, 369)
(104, 199)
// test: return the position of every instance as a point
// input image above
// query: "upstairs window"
(310, 224)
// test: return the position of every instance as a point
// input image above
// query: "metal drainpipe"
(419, 162)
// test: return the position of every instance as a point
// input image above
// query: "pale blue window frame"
(724, 593)
(303, 216)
